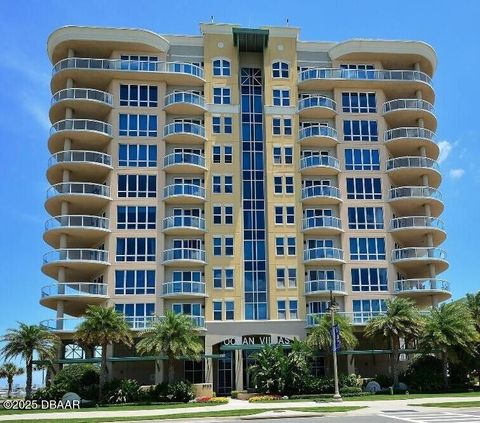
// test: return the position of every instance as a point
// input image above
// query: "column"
(208, 364)
(238, 370)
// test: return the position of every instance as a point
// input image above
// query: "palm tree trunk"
(28, 385)
(394, 356)
(103, 372)
(171, 371)
(10, 383)
(445, 369)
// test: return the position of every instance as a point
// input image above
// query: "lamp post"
(333, 306)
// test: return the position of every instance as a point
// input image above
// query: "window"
(217, 184)
(284, 214)
(281, 310)
(227, 184)
(136, 249)
(362, 159)
(282, 126)
(229, 310)
(227, 154)
(222, 124)
(134, 62)
(222, 214)
(217, 310)
(221, 67)
(194, 371)
(280, 277)
(364, 188)
(359, 103)
(137, 155)
(360, 130)
(228, 278)
(136, 217)
(292, 278)
(280, 245)
(293, 309)
(369, 279)
(190, 309)
(278, 184)
(365, 218)
(137, 125)
(217, 154)
(137, 186)
(357, 66)
(223, 278)
(282, 155)
(281, 97)
(138, 95)
(137, 315)
(228, 215)
(278, 215)
(363, 310)
(280, 70)
(367, 248)
(221, 95)
(217, 278)
(217, 245)
(229, 245)
(134, 282)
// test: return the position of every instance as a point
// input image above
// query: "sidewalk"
(374, 407)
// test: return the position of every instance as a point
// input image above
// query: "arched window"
(221, 67)
(280, 69)
(74, 351)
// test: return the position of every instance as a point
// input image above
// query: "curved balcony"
(393, 82)
(82, 230)
(183, 289)
(408, 141)
(317, 107)
(183, 225)
(414, 229)
(359, 318)
(319, 165)
(410, 170)
(320, 194)
(318, 136)
(412, 200)
(417, 288)
(412, 257)
(323, 256)
(184, 163)
(81, 164)
(79, 263)
(184, 132)
(407, 111)
(184, 257)
(86, 132)
(82, 198)
(184, 193)
(86, 102)
(324, 287)
(100, 72)
(76, 296)
(184, 103)
(61, 324)
(322, 225)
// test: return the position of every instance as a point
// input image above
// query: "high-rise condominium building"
(239, 177)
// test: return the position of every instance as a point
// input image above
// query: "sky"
(452, 28)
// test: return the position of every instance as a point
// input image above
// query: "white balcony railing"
(183, 287)
(77, 221)
(321, 253)
(75, 289)
(317, 131)
(409, 132)
(81, 125)
(184, 159)
(80, 156)
(418, 253)
(412, 162)
(412, 222)
(181, 221)
(408, 104)
(76, 254)
(184, 254)
(185, 97)
(319, 161)
(322, 222)
(178, 190)
(184, 128)
(414, 192)
(320, 191)
(78, 188)
(324, 286)
(317, 101)
(83, 94)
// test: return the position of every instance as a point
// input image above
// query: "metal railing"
(76, 254)
(364, 74)
(183, 287)
(416, 222)
(412, 161)
(316, 101)
(80, 156)
(320, 191)
(176, 128)
(409, 132)
(322, 222)
(75, 289)
(184, 158)
(414, 192)
(185, 97)
(318, 161)
(61, 324)
(408, 285)
(324, 286)
(180, 221)
(320, 253)
(420, 253)
(317, 131)
(356, 317)
(128, 66)
(81, 125)
(80, 188)
(192, 190)
(408, 104)
(82, 94)
(77, 221)
(193, 254)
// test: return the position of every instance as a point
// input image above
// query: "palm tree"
(9, 371)
(473, 303)
(103, 326)
(174, 336)
(449, 328)
(320, 337)
(25, 342)
(401, 320)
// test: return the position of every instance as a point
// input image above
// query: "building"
(239, 176)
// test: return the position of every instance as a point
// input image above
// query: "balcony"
(183, 225)
(184, 194)
(408, 141)
(79, 263)
(418, 288)
(85, 132)
(183, 289)
(81, 164)
(184, 257)
(414, 229)
(82, 198)
(410, 170)
(67, 325)
(81, 230)
(319, 165)
(412, 200)
(184, 103)
(76, 296)
(323, 256)
(184, 163)
(413, 257)
(86, 102)
(322, 225)
(318, 136)
(324, 287)
(393, 82)
(184, 133)
(359, 318)
(407, 111)
(99, 73)
(320, 194)
(317, 107)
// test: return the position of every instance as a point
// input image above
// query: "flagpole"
(332, 307)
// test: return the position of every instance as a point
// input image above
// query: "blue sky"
(451, 28)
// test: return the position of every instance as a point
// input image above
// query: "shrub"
(181, 391)
(261, 398)
(122, 391)
(350, 390)
(425, 374)
(50, 393)
(384, 380)
(160, 392)
(318, 385)
(212, 400)
(350, 381)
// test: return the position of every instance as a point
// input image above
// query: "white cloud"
(456, 173)
(445, 149)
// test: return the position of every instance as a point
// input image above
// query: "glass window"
(229, 246)
(136, 217)
(277, 155)
(228, 154)
(367, 249)
(280, 245)
(369, 279)
(137, 125)
(362, 159)
(292, 278)
(288, 184)
(134, 282)
(216, 124)
(217, 278)
(217, 215)
(135, 155)
(138, 95)
(136, 249)
(217, 154)
(280, 277)
(281, 97)
(228, 278)
(359, 102)
(228, 213)
(221, 67)
(364, 188)
(280, 70)
(293, 309)
(217, 246)
(217, 184)
(365, 218)
(291, 242)
(221, 95)
(228, 184)
(217, 310)
(281, 310)
(137, 186)
(278, 215)
(229, 310)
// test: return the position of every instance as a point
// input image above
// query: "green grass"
(460, 404)
(386, 397)
(202, 414)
